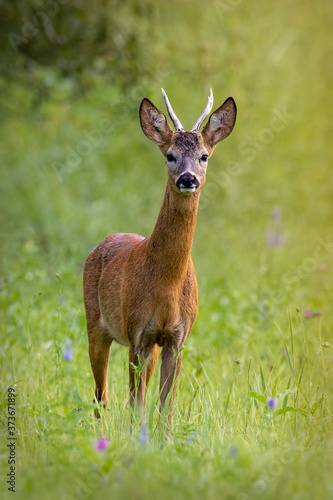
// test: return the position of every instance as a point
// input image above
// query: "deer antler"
(179, 127)
(204, 114)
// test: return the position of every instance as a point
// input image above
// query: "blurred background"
(76, 166)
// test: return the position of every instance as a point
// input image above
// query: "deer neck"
(170, 244)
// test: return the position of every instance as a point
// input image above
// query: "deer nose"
(187, 181)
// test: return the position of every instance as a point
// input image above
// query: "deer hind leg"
(170, 368)
(99, 351)
(152, 363)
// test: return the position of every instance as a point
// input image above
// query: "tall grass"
(253, 411)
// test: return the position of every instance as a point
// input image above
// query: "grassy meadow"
(252, 417)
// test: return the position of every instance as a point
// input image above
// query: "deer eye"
(170, 158)
(204, 158)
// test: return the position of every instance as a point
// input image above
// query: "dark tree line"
(74, 39)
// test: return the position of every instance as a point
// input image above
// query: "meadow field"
(252, 418)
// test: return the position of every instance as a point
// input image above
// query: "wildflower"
(102, 444)
(275, 234)
(274, 239)
(144, 434)
(68, 353)
(233, 451)
(322, 266)
(308, 313)
(192, 437)
(272, 403)
(276, 213)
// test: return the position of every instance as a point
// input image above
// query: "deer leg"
(152, 363)
(170, 369)
(99, 351)
(138, 380)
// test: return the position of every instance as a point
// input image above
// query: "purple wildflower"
(322, 266)
(68, 353)
(276, 213)
(272, 403)
(101, 444)
(274, 239)
(275, 233)
(233, 451)
(144, 434)
(308, 313)
(192, 437)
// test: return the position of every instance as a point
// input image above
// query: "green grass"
(252, 339)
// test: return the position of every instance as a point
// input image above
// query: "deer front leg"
(170, 368)
(141, 373)
(152, 363)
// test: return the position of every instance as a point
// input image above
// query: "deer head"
(187, 153)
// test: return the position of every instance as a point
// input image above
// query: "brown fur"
(142, 292)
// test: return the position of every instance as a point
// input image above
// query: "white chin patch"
(187, 190)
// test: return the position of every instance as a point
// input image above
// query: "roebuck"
(142, 292)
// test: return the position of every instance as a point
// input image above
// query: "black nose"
(187, 180)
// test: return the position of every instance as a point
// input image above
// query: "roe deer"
(142, 292)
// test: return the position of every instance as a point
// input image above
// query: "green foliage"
(72, 44)
(75, 170)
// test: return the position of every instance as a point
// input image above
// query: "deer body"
(142, 292)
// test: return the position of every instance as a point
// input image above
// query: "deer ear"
(154, 124)
(220, 123)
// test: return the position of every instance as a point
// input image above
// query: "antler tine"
(178, 126)
(205, 113)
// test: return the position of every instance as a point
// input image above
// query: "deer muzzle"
(187, 183)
